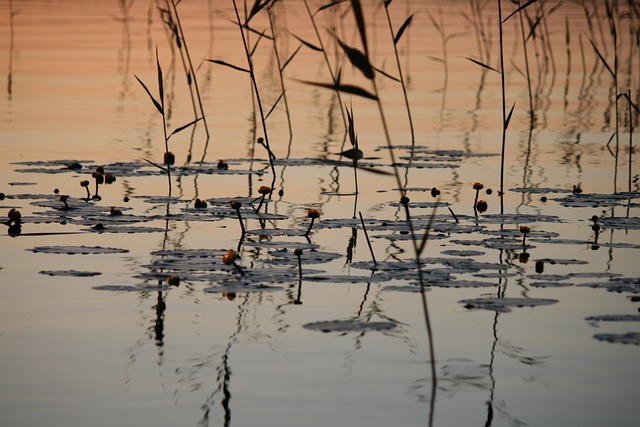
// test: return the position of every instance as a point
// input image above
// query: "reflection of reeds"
(12, 14)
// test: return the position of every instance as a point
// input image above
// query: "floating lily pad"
(617, 285)
(351, 325)
(628, 338)
(505, 304)
(78, 250)
(239, 287)
(70, 273)
(127, 288)
(551, 284)
(614, 318)
(405, 288)
(586, 200)
(463, 253)
(540, 190)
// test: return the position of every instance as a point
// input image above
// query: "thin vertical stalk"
(404, 88)
(257, 92)
(504, 110)
(326, 60)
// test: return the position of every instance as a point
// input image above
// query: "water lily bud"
(84, 183)
(482, 206)
(109, 178)
(235, 205)
(478, 186)
(14, 215)
(222, 165)
(313, 213)
(229, 258)
(199, 204)
(98, 177)
(264, 190)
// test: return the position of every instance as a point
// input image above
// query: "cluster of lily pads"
(289, 259)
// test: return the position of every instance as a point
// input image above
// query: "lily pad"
(70, 273)
(505, 304)
(78, 250)
(628, 338)
(351, 325)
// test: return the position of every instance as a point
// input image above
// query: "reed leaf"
(358, 59)
(345, 88)
(357, 11)
(332, 4)
(284, 65)
(482, 64)
(273, 107)
(257, 7)
(378, 70)
(402, 29)
(307, 44)
(604, 61)
(162, 168)
(524, 6)
(226, 64)
(255, 46)
(156, 103)
(181, 128)
(425, 238)
(508, 119)
(160, 81)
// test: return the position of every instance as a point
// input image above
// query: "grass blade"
(291, 57)
(226, 64)
(350, 89)
(158, 106)
(378, 70)
(160, 81)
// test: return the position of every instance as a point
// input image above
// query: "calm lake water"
(92, 334)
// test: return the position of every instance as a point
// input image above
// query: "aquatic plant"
(524, 229)
(200, 204)
(313, 214)
(168, 157)
(264, 191)
(236, 205)
(482, 206)
(85, 184)
(230, 259)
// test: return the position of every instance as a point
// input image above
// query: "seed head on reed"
(169, 158)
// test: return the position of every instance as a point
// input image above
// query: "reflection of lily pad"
(617, 284)
(628, 338)
(78, 250)
(505, 304)
(464, 253)
(70, 273)
(351, 325)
